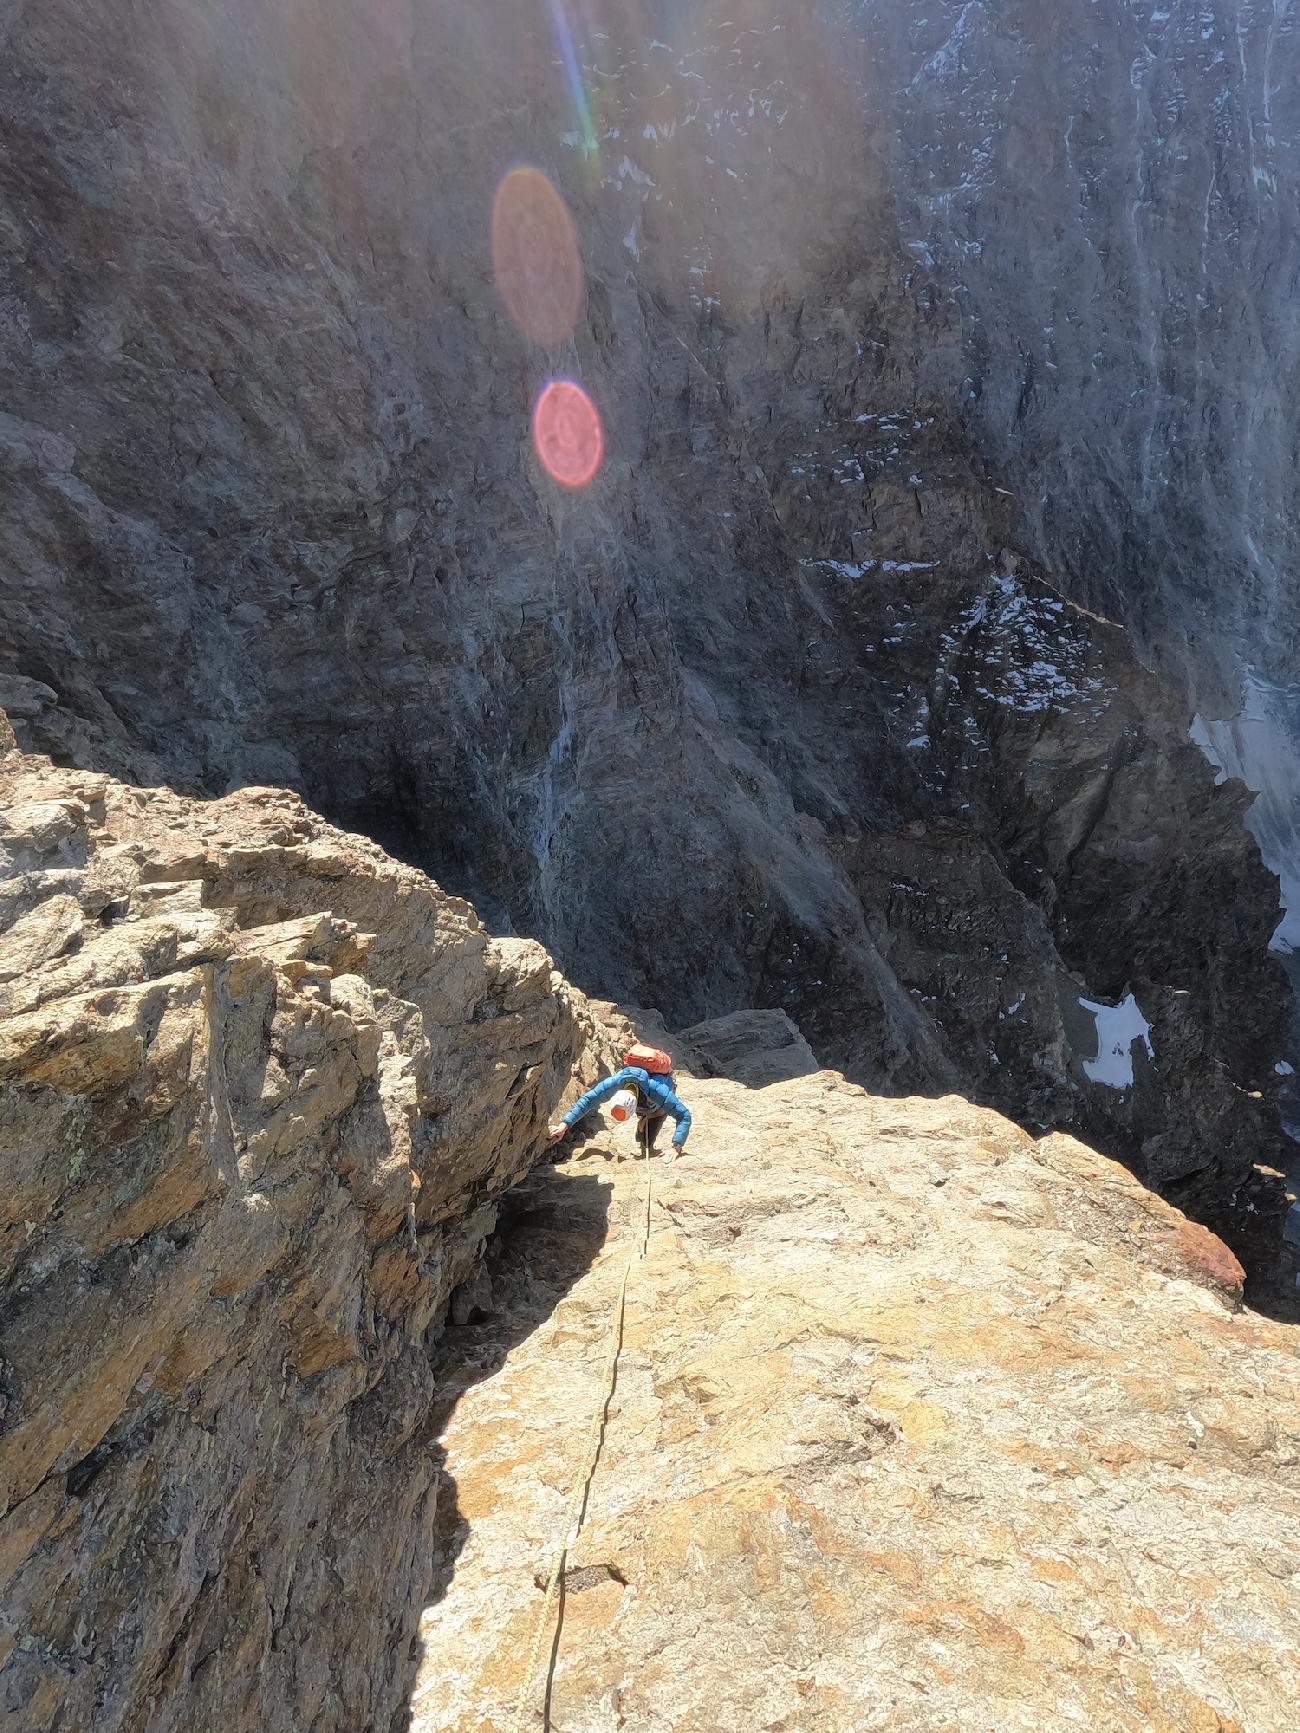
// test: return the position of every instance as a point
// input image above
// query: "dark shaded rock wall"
(771, 714)
(1109, 192)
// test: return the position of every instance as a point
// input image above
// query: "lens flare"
(573, 72)
(567, 434)
(535, 256)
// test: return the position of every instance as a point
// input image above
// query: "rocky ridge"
(272, 1385)
(920, 1423)
(260, 1089)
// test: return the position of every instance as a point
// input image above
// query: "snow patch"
(1030, 657)
(627, 170)
(842, 568)
(1118, 1028)
(1259, 748)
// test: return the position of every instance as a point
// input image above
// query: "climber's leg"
(649, 1129)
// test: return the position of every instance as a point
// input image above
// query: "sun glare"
(535, 257)
(567, 434)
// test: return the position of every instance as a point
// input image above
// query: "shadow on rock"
(551, 1228)
(1260, 1225)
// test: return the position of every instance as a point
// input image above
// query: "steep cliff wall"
(1108, 194)
(273, 517)
(1107, 191)
(260, 1088)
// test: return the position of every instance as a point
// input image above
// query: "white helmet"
(623, 1106)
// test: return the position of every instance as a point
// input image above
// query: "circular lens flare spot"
(535, 256)
(567, 433)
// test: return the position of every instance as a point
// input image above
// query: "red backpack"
(650, 1059)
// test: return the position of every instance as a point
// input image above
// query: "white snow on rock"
(844, 568)
(1258, 748)
(1118, 1027)
(628, 170)
(1029, 653)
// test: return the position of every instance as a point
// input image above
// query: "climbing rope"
(591, 1455)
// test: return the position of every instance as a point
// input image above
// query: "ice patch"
(1283, 1069)
(947, 58)
(627, 170)
(843, 568)
(1259, 748)
(1118, 1027)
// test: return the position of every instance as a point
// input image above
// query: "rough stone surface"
(260, 1087)
(799, 660)
(753, 1047)
(919, 1423)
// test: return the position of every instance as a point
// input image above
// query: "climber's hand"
(557, 1133)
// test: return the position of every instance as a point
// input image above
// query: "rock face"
(919, 1423)
(798, 661)
(751, 1047)
(1105, 191)
(260, 1087)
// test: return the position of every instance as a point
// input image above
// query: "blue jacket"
(656, 1091)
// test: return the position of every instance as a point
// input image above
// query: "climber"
(645, 1086)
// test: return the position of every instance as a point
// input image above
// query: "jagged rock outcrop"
(919, 1423)
(273, 518)
(751, 1047)
(260, 1087)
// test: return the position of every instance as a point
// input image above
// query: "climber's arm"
(583, 1105)
(664, 1097)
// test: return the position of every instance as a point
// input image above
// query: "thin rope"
(595, 1439)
